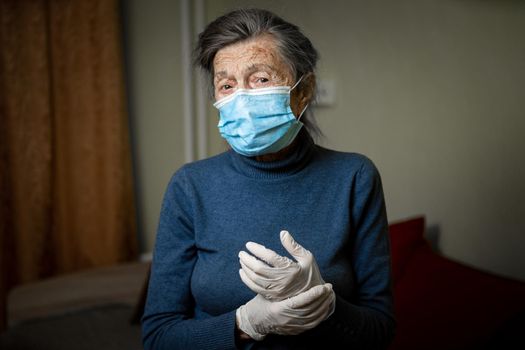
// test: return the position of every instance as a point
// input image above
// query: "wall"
(432, 92)
(153, 63)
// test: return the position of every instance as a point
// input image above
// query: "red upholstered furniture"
(444, 304)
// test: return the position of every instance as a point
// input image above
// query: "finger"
(250, 284)
(310, 296)
(295, 249)
(331, 307)
(268, 255)
(261, 281)
(309, 315)
(256, 265)
(324, 308)
(314, 306)
(310, 318)
(318, 309)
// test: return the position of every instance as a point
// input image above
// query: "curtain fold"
(65, 164)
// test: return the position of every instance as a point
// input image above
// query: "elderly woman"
(226, 271)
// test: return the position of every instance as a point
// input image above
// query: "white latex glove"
(260, 316)
(276, 277)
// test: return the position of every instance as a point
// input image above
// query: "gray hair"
(295, 48)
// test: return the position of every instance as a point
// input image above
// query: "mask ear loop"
(293, 87)
(302, 112)
(297, 83)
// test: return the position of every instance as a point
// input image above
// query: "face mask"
(258, 121)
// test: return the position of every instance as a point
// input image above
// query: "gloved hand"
(260, 316)
(276, 277)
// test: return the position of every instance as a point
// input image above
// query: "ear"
(303, 94)
(307, 89)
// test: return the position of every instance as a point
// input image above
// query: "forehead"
(238, 57)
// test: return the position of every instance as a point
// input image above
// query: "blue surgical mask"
(258, 121)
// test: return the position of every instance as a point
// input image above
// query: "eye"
(226, 87)
(259, 81)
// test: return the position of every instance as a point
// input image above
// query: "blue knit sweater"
(331, 202)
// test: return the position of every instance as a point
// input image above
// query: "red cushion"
(405, 237)
(443, 304)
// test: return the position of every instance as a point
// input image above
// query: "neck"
(282, 154)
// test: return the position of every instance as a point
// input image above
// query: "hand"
(277, 277)
(260, 317)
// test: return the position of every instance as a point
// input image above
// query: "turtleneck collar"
(293, 162)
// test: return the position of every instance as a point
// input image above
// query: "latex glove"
(260, 316)
(277, 277)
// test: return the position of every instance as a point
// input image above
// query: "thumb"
(295, 249)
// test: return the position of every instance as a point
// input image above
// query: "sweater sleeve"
(366, 322)
(168, 321)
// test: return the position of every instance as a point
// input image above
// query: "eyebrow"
(252, 68)
(258, 66)
(220, 74)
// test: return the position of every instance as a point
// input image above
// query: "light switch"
(325, 92)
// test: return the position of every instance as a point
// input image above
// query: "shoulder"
(203, 167)
(348, 162)
(201, 171)
(192, 178)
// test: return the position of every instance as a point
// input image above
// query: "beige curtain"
(65, 169)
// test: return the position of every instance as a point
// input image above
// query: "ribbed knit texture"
(331, 202)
